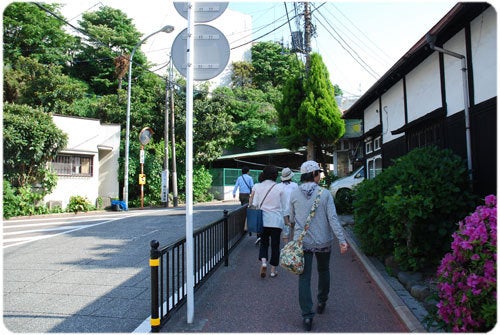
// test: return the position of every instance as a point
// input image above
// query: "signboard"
(211, 56)
(353, 128)
(203, 11)
(142, 179)
(164, 186)
(141, 156)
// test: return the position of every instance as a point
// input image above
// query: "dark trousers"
(244, 198)
(274, 235)
(305, 296)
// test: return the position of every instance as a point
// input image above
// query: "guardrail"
(212, 245)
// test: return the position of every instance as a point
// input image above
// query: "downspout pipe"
(431, 41)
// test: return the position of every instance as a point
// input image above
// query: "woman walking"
(319, 238)
(270, 197)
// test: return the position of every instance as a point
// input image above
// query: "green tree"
(317, 119)
(291, 132)
(273, 64)
(29, 82)
(30, 141)
(109, 33)
(29, 31)
(242, 73)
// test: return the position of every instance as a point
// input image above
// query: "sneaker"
(307, 323)
(321, 307)
(263, 270)
(257, 240)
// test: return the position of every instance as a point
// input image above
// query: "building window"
(73, 165)
(374, 166)
(425, 137)
(376, 144)
(369, 147)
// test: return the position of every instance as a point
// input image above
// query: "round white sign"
(203, 11)
(211, 52)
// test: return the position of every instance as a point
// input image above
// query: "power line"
(349, 50)
(384, 61)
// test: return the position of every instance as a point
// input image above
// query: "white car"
(348, 182)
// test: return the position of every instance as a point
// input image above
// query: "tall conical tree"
(309, 112)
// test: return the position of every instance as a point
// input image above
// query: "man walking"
(245, 184)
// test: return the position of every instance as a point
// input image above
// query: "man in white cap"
(288, 187)
(318, 239)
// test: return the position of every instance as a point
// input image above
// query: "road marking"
(69, 230)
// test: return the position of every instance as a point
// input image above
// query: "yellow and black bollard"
(154, 263)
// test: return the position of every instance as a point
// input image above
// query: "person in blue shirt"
(245, 184)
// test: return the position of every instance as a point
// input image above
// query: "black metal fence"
(212, 245)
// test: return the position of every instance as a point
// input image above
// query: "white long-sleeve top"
(274, 205)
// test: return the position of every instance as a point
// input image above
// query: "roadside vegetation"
(48, 70)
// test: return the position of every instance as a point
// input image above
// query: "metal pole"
(174, 158)
(189, 165)
(467, 118)
(142, 172)
(165, 161)
(166, 29)
(431, 39)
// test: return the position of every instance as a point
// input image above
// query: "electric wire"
(349, 50)
(353, 39)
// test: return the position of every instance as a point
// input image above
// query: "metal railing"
(212, 245)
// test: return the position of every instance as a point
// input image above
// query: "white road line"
(72, 229)
(20, 232)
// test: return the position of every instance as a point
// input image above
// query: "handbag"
(255, 221)
(292, 254)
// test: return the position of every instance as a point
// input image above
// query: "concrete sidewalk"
(236, 299)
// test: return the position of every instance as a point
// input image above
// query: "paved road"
(87, 273)
(236, 299)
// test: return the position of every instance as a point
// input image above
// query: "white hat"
(286, 174)
(309, 166)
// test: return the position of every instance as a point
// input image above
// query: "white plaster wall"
(84, 137)
(393, 111)
(108, 161)
(484, 55)
(423, 88)
(453, 73)
(372, 118)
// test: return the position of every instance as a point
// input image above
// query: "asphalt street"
(90, 273)
(87, 273)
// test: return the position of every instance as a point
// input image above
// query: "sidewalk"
(236, 299)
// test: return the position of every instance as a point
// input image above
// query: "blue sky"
(376, 33)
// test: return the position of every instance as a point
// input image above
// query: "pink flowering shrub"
(467, 275)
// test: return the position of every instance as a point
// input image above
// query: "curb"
(404, 313)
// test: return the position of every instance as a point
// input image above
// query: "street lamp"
(166, 29)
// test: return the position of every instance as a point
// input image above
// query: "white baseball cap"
(309, 166)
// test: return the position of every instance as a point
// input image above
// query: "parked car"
(346, 184)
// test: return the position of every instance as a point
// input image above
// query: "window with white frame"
(73, 165)
(369, 146)
(374, 165)
(376, 143)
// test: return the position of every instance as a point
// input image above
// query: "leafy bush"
(22, 201)
(467, 275)
(202, 181)
(343, 201)
(411, 208)
(78, 203)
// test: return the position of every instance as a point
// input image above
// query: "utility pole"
(307, 41)
(165, 160)
(172, 124)
(307, 35)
